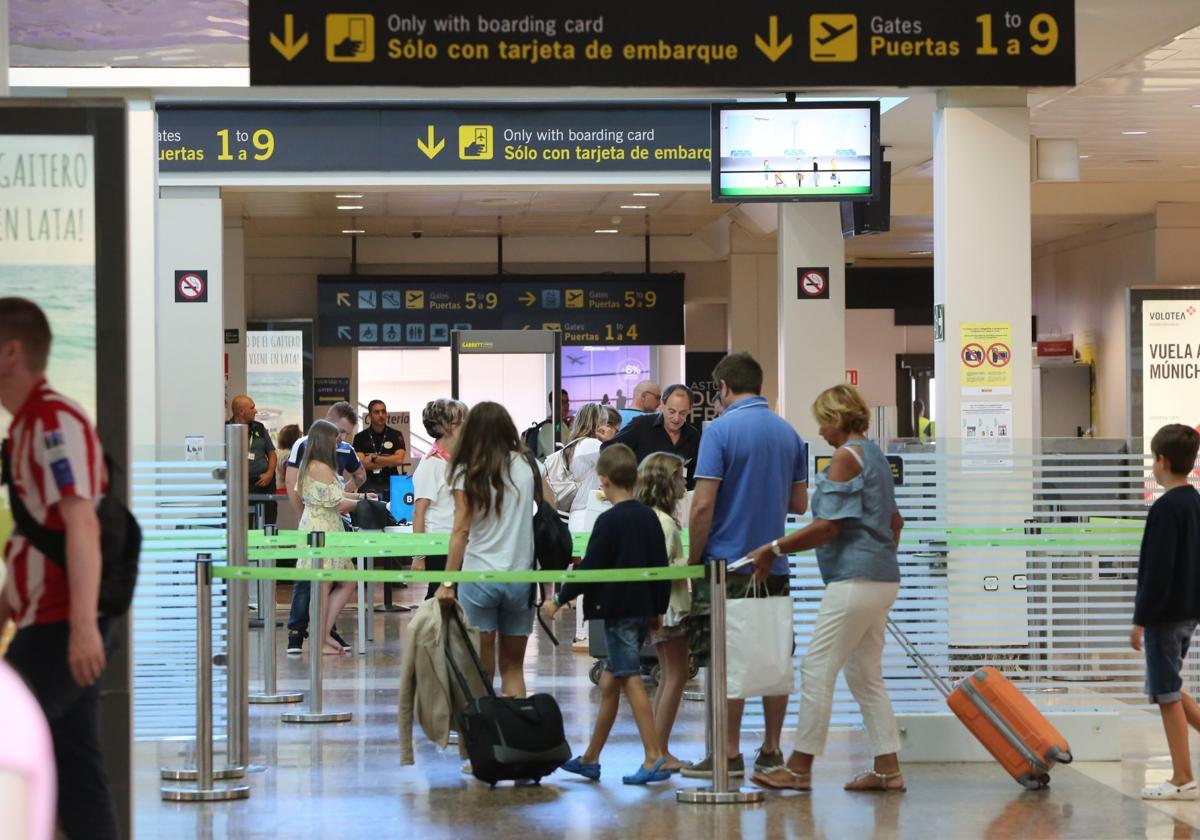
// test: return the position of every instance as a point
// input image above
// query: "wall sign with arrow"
(630, 43)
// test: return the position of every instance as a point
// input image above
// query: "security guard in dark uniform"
(261, 453)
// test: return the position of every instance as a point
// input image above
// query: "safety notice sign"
(985, 358)
(812, 283)
(630, 43)
(191, 286)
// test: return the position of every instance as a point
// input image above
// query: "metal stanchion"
(316, 652)
(258, 518)
(238, 633)
(205, 790)
(363, 620)
(370, 637)
(266, 646)
(719, 793)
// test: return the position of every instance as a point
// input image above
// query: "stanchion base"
(309, 717)
(189, 774)
(708, 796)
(694, 695)
(218, 793)
(282, 697)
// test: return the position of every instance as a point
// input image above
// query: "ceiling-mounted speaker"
(1056, 159)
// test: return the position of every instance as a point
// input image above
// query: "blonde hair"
(842, 406)
(656, 485)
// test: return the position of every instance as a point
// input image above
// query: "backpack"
(558, 475)
(530, 437)
(552, 543)
(120, 541)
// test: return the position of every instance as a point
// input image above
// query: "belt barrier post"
(363, 619)
(266, 642)
(205, 790)
(719, 793)
(316, 652)
(258, 519)
(237, 540)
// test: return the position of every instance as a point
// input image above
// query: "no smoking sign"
(191, 287)
(812, 283)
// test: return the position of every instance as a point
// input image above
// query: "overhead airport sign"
(417, 311)
(610, 139)
(622, 43)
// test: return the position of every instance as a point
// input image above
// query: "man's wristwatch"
(775, 549)
(554, 600)
(448, 584)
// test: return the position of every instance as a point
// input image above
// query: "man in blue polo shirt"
(751, 472)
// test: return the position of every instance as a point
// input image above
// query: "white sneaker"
(1166, 790)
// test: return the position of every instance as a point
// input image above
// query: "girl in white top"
(492, 477)
(590, 429)
(660, 486)
(433, 510)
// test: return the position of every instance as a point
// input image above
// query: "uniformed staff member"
(261, 467)
(381, 450)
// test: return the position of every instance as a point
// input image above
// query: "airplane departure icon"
(832, 32)
(576, 360)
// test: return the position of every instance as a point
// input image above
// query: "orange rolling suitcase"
(1001, 717)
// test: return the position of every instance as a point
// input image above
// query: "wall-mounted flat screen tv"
(802, 151)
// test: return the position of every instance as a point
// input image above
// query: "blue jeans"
(624, 637)
(298, 615)
(503, 608)
(1166, 646)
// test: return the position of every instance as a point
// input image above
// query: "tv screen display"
(812, 151)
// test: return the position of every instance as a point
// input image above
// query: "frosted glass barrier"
(517, 381)
(1025, 560)
(178, 497)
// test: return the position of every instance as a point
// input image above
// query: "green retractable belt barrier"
(351, 575)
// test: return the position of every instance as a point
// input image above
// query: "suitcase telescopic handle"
(454, 620)
(923, 664)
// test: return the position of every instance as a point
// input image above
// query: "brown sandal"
(873, 782)
(791, 781)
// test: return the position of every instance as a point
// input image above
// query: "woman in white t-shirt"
(493, 477)
(590, 429)
(433, 510)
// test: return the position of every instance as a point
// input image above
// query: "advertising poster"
(606, 375)
(1170, 364)
(986, 432)
(275, 377)
(698, 368)
(985, 358)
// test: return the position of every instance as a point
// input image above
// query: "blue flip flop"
(588, 771)
(645, 775)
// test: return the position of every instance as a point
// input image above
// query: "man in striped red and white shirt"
(58, 473)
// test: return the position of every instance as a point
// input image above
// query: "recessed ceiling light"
(1197, 105)
(633, 206)
(349, 207)
(1084, 157)
(1134, 133)
(921, 253)
(354, 231)
(646, 195)
(349, 195)
(607, 230)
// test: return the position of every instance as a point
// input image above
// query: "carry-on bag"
(507, 737)
(1000, 717)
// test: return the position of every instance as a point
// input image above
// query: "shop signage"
(328, 390)
(698, 368)
(416, 311)
(1170, 363)
(624, 43)
(609, 139)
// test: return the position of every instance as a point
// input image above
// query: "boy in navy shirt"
(628, 536)
(1167, 604)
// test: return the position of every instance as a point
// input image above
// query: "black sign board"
(422, 311)
(895, 463)
(233, 336)
(356, 139)
(328, 390)
(627, 43)
(698, 368)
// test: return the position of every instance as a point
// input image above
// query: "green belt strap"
(571, 575)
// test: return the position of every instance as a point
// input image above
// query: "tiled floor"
(345, 780)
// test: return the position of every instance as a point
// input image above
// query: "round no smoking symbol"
(813, 284)
(191, 286)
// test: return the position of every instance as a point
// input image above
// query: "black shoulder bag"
(551, 537)
(120, 541)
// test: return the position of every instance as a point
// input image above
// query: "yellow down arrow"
(774, 48)
(289, 47)
(431, 149)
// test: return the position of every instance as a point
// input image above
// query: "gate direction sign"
(630, 43)
(191, 286)
(419, 311)
(813, 283)
(602, 138)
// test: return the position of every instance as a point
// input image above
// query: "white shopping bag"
(758, 647)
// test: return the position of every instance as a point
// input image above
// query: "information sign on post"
(623, 43)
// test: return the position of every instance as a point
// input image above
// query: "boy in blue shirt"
(627, 536)
(1167, 604)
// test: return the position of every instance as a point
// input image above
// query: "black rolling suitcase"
(507, 738)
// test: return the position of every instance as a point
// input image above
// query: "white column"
(812, 332)
(233, 292)
(982, 270)
(754, 303)
(142, 300)
(191, 374)
(982, 242)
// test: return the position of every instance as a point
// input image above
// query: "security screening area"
(495, 404)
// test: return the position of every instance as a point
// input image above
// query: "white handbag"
(758, 646)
